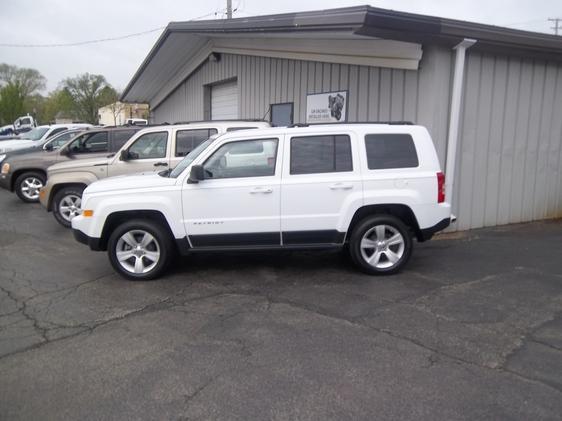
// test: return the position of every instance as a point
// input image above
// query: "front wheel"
(381, 245)
(66, 204)
(27, 186)
(140, 250)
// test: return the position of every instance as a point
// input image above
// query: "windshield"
(35, 134)
(190, 157)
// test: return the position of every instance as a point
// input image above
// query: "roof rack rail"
(233, 120)
(393, 123)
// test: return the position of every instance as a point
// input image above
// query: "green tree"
(89, 93)
(11, 103)
(58, 101)
(17, 85)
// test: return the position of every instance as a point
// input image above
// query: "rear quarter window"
(390, 150)
(120, 137)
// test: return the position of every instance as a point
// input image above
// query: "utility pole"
(229, 9)
(556, 26)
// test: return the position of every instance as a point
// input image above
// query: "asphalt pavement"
(471, 330)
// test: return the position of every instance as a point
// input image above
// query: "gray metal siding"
(510, 138)
(508, 167)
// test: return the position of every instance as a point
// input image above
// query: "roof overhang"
(358, 35)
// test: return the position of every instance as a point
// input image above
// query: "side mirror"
(65, 151)
(49, 147)
(124, 155)
(196, 175)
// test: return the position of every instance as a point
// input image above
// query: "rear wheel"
(27, 186)
(66, 204)
(140, 250)
(381, 245)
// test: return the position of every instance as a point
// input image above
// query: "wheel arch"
(21, 171)
(114, 219)
(57, 188)
(401, 211)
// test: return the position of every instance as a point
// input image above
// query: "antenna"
(557, 27)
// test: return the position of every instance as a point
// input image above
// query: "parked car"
(24, 123)
(371, 187)
(136, 122)
(152, 149)
(37, 137)
(25, 172)
(6, 131)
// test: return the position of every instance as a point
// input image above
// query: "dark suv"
(25, 173)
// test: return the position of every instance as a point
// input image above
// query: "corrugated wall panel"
(510, 139)
(510, 142)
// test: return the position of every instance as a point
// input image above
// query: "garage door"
(224, 101)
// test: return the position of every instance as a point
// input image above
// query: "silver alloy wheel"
(69, 206)
(382, 246)
(137, 251)
(30, 187)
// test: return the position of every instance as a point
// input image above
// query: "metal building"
(491, 97)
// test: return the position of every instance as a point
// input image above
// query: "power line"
(100, 40)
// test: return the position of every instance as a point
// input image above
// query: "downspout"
(456, 97)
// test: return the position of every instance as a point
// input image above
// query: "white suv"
(373, 187)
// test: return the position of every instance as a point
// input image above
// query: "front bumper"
(6, 181)
(93, 243)
(45, 196)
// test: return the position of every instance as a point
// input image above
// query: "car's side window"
(187, 140)
(61, 140)
(246, 158)
(149, 145)
(90, 142)
(57, 130)
(120, 137)
(321, 154)
(390, 150)
(96, 142)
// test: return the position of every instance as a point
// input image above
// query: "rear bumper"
(6, 181)
(426, 233)
(93, 243)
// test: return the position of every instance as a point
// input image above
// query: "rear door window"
(321, 154)
(187, 140)
(390, 150)
(90, 143)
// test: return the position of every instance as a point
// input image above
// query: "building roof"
(183, 45)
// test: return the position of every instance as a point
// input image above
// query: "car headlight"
(2, 157)
(6, 168)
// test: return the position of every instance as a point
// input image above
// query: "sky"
(71, 21)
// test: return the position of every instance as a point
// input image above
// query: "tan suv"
(152, 149)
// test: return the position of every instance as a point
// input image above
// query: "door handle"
(263, 190)
(341, 186)
(161, 164)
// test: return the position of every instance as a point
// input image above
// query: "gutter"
(454, 116)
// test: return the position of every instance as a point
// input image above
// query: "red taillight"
(440, 187)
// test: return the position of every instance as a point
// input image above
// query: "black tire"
(69, 192)
(22, 182)
(164, 246)
(392, 226)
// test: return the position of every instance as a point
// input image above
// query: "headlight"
(6, 168)
(2, 157)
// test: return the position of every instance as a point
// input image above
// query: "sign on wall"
(327, 107)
